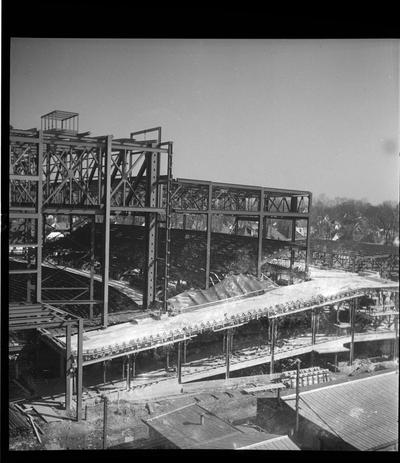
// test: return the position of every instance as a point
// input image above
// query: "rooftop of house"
(362, 412)
(195, 427)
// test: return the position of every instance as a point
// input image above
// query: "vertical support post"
(313, 334)
(273, 340)
(167, 359)
(104, 371)
(152, 161)
(39, 230)
(298, 361)
(227, 352)
(167, 256)
(293, 208)
(68, 369)
(260, 234)
(396, 337)
(352, 323)
(79, 371)
(184, 350)
(105, 406)
(179, 362)
(208, 246)
(133, 374)
(308, 240)
(128, 372)
(92, 258)
(313, 326)
(106, 227)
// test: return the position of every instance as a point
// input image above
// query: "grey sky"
(321, 115)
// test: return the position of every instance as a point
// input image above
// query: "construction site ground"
(225, 398)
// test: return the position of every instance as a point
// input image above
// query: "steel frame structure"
(246, 203)
(62, 172)
(58, 171)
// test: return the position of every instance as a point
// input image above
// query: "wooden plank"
(48, 413)
(265, 387)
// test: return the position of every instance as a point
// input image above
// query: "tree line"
(355, 220)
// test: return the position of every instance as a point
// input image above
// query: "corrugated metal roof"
(276, 443)
(182, 427)
(362, 412)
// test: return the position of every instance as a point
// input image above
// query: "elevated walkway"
(326, 288)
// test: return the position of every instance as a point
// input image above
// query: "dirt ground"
(124, 419)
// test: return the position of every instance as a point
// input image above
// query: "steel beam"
(245, 187)
(235, 212)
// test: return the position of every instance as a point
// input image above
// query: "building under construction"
(120, 273)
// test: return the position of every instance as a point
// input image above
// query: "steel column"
(179, 362)
(133, 372)
(68, 369)
(313, 326)
(352, 324)
(39, 229)
(79, 371)
(167, 256)
(105, 406)
(152, 162)
(313, 333)
(261, 224)
(227, 352)
(128, 372)
(208, 246)
(308, 240)
(106, 228)
(92, 260)
(293, 207)
(396, 337)
(273, 341)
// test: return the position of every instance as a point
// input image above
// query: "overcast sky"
(319, 115)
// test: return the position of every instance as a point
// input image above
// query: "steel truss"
(61, 172)
(247, 204)
(95, 178)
